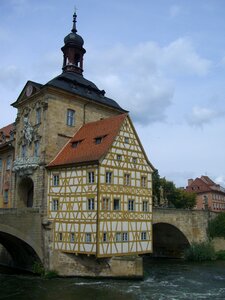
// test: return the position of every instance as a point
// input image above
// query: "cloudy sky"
(163, 60)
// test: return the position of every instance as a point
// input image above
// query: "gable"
(29, 90)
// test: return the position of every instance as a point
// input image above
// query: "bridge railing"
(19, 211)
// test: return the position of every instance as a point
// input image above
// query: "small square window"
(131, 205)
(91, 177)
(38, 115)
(127, 180)
(125, 236)
(55, 204)
(70, 120)
(134, 160)
(91, 204)
(143, 235)
(105, 237)
(105, 204)
(118, 236)
(8, 163)
(36, 148)
(72, 237)
(6, 197)
(119, 157)
(108, 177)
(60, 236)
(143, 181)
(145, 206)
(98, 140)
(126, 140)
(116, 204)
(88, 237)
(56, 180)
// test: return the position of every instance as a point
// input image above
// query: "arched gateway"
(25, 192)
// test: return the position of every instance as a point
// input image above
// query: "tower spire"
(74, 28)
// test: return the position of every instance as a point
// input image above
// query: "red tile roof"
(203, 185)
(87, 150)
(6, 130)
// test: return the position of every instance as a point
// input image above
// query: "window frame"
(55, 204)
(91, 177)
(115, 207)
(36, 148)
(145, 206)
(8, 162)
(55, 182)
(108, 177)
(91, 203)
(127, 179)
(144, 235)
(88, 237)
(70, 117)
(38, 116)
(131, 205)
(106, 204)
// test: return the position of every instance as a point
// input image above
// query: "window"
(0, 164)
(108, 177)
(72, 237)
(91, 204)
(126, 140)
(134, 160)
(126, 179)
(38, 115)
(91, 177)
(55, 204)
(24, 151)
(98, 140)
(36, 148)
(125, 236)
(118, 236)
(105, 204)
(119, 157)
(131, 205)
(116, 204)
(145, 206)
(143, 181)
(105, 237)
(8, 163)
(60, 236)
(76, 143)
(55, 180)
(6, 196)
(88, 237)
(143, 235)
(70, 121)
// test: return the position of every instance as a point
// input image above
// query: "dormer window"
(76, 143)
(98, 140)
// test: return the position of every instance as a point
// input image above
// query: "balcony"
(25, 165)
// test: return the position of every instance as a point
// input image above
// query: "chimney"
(190, 181)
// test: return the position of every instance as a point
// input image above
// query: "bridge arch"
(168, 241)
(23, 251)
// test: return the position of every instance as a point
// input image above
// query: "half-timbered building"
(100, 191)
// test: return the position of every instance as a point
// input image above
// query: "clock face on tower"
(29, 90)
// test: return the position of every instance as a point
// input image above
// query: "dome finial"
(74, 29)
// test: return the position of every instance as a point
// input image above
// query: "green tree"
(165, 191)
(216, 227)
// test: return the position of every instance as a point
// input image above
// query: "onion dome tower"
(73, 50)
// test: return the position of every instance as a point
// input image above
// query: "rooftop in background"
(5, 133)
(203, 184)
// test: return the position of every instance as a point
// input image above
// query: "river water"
(164, 279)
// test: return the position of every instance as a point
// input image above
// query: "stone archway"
(168, 241)
(16, 253)
(26, 192)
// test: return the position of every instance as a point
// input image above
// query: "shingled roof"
(5, 133)
(90, 143)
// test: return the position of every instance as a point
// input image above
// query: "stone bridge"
(21, 236)
(175, 229)
(21, 233)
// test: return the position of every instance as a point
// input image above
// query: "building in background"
(209, 194)
(6, 164)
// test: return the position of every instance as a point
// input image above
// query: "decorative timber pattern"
(104, 209)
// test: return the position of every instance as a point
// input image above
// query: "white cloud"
(143, 78)
(220, 180)
(203, 115)
(181, 57)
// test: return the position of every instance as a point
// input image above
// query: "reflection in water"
(164, 279)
